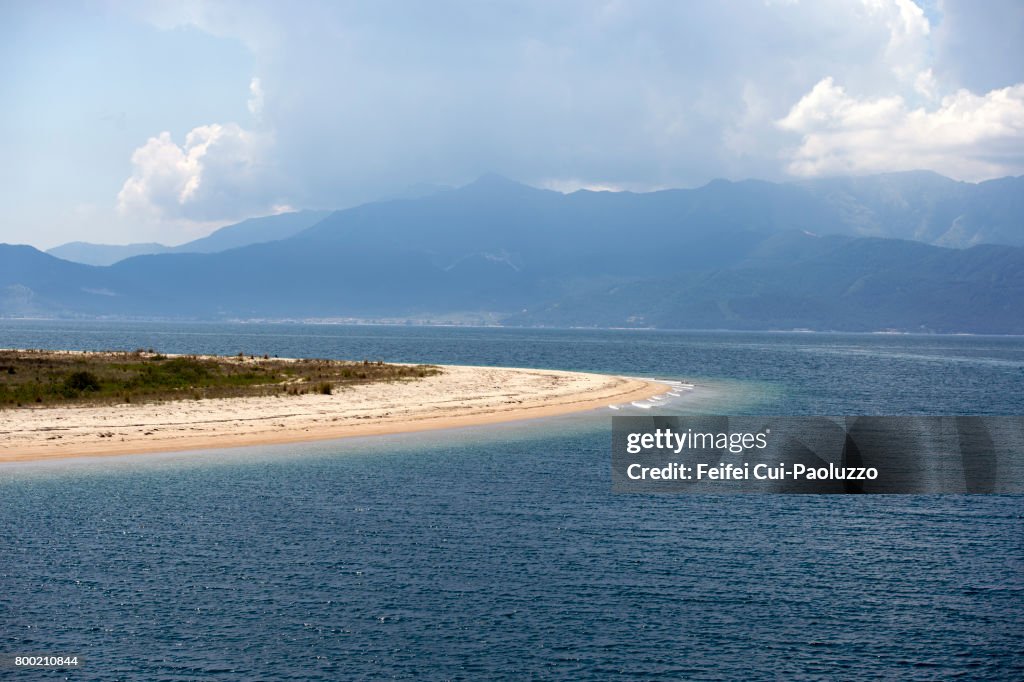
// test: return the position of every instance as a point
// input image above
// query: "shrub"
(80, 382)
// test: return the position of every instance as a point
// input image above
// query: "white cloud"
(218, 173)
(907, 50)
(906, 123)
(967, 136)
(570, 185)
(255, 102)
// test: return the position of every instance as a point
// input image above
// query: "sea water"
(500, 551)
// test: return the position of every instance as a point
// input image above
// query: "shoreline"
(459, 396)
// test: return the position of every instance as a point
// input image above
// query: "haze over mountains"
(864, 254)
(252, 231)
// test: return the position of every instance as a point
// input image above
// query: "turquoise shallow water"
(500, 552)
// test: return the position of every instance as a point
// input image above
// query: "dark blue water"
(501, 552)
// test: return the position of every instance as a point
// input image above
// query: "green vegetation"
(38, 377)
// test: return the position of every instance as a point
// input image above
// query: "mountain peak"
(495, 181)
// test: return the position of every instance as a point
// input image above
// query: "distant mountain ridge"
(251, 231)
(254, 231)
(838, 283)
(748, 255)
(926, 207)
(89, 253)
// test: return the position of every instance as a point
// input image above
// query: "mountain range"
(908, 251)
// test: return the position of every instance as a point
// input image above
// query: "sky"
(154, 121)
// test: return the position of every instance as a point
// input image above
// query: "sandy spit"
(459, 396)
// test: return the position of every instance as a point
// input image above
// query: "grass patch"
(37, 377)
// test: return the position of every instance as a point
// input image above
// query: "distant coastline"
(414, 322)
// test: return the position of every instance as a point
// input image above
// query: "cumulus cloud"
(907, 48)
(919, 120)
(966, 136)
(217, 173)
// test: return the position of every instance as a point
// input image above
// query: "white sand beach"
(459, 396)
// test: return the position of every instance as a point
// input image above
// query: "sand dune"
(460, 396)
